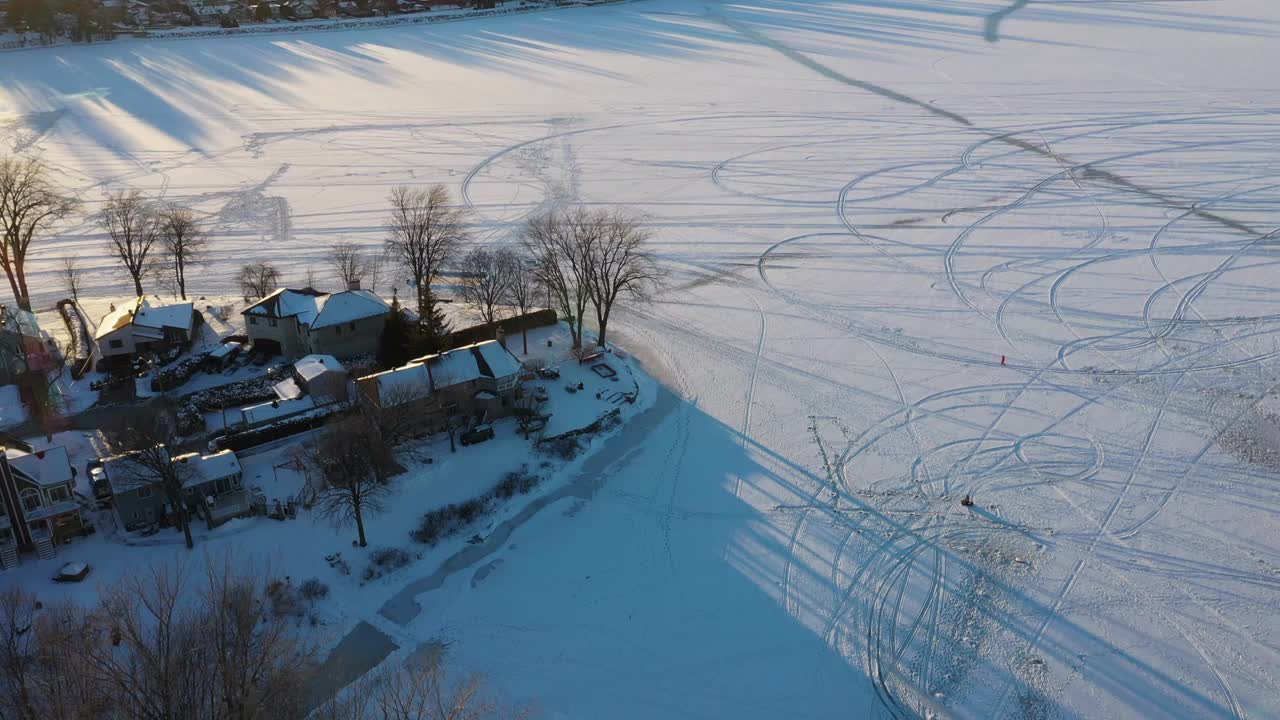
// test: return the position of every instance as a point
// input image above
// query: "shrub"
(313, 590)
(386, 560)
(446, 521)
(517, 482)
(284, 597)
(565, 448)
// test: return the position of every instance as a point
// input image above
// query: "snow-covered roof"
(208, 468)
(46, 467)
(276, 410)
(287, 389)
(116, 319)
(471, 362)
(313, 366)
(178, 315)
(302, 304)
(349, 306)
(316, 309)
(147, 320)
(402, 384)
(499, 359)
(226, 349)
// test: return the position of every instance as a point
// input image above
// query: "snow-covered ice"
(920, 250)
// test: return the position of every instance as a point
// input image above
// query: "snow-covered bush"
(565, 448)
(443, 522)
(386, 560)
(253, 390)
(314, 590)
(517, 482)
(285, 599)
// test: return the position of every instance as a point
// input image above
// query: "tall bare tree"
(29, 205)
(148, 650)
(425, 233)
(619, 263)
(258, 663)
(182, 244)
(348, 264)
(522, 286)
(258, 280)
(147, 444)
(18, 655)
(71, 277)
(132, 232)
(350, 461)
(558, 244)
(485, 282)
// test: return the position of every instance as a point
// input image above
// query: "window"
(30, 499)
(337, 329)
(144, 492)
(351, 327)
(115, 344)
(223, 485)
(58, 494)
(273, 322)
(253, 320)
(237, 482)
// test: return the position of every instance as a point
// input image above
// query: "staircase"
(44, 548)
(8, 556)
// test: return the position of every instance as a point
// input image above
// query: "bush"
(313, 590)
(517, 482)
(446, 521)
(565, 448)
(383, 561)
(284, 597)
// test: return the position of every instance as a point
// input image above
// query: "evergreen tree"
(396, 341)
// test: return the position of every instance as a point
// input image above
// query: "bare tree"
(309, 280)
(63, 685)
(17, 655)
(559, 244)
(425, 234)
(148, 650)
(70, 275)
(419, 689)
(132, 232)
(182, 244)
(348, 264)
(148, 463)
(485, 282)
(258, 663)
(29, 205)
(375, 266)
(349, 460)
(619, 263)
(522, 286)
(258, 280)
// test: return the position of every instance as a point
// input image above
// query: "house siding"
(342, 342)
(285, 333)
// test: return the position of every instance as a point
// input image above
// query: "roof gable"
(45, 467)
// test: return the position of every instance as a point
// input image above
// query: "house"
(21, 349)
(37, 495)
(256, 416)
(322, 377)
(139, 327)
(301, 322)
(213, 490)
(473, 380)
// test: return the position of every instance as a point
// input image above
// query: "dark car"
(477, 434)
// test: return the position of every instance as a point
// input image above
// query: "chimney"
(354, 284)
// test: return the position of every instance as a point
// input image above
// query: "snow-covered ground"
(1020, 251)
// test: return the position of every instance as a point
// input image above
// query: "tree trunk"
(185, 522)
(602, 319)
(360, 525)
(137, 283)
(524, 334)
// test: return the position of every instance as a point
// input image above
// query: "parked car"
(98, 483)
(540, 394)
(72, 572)
(549, 373)
(477, 434)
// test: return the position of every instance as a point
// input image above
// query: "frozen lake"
(1022, 251)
